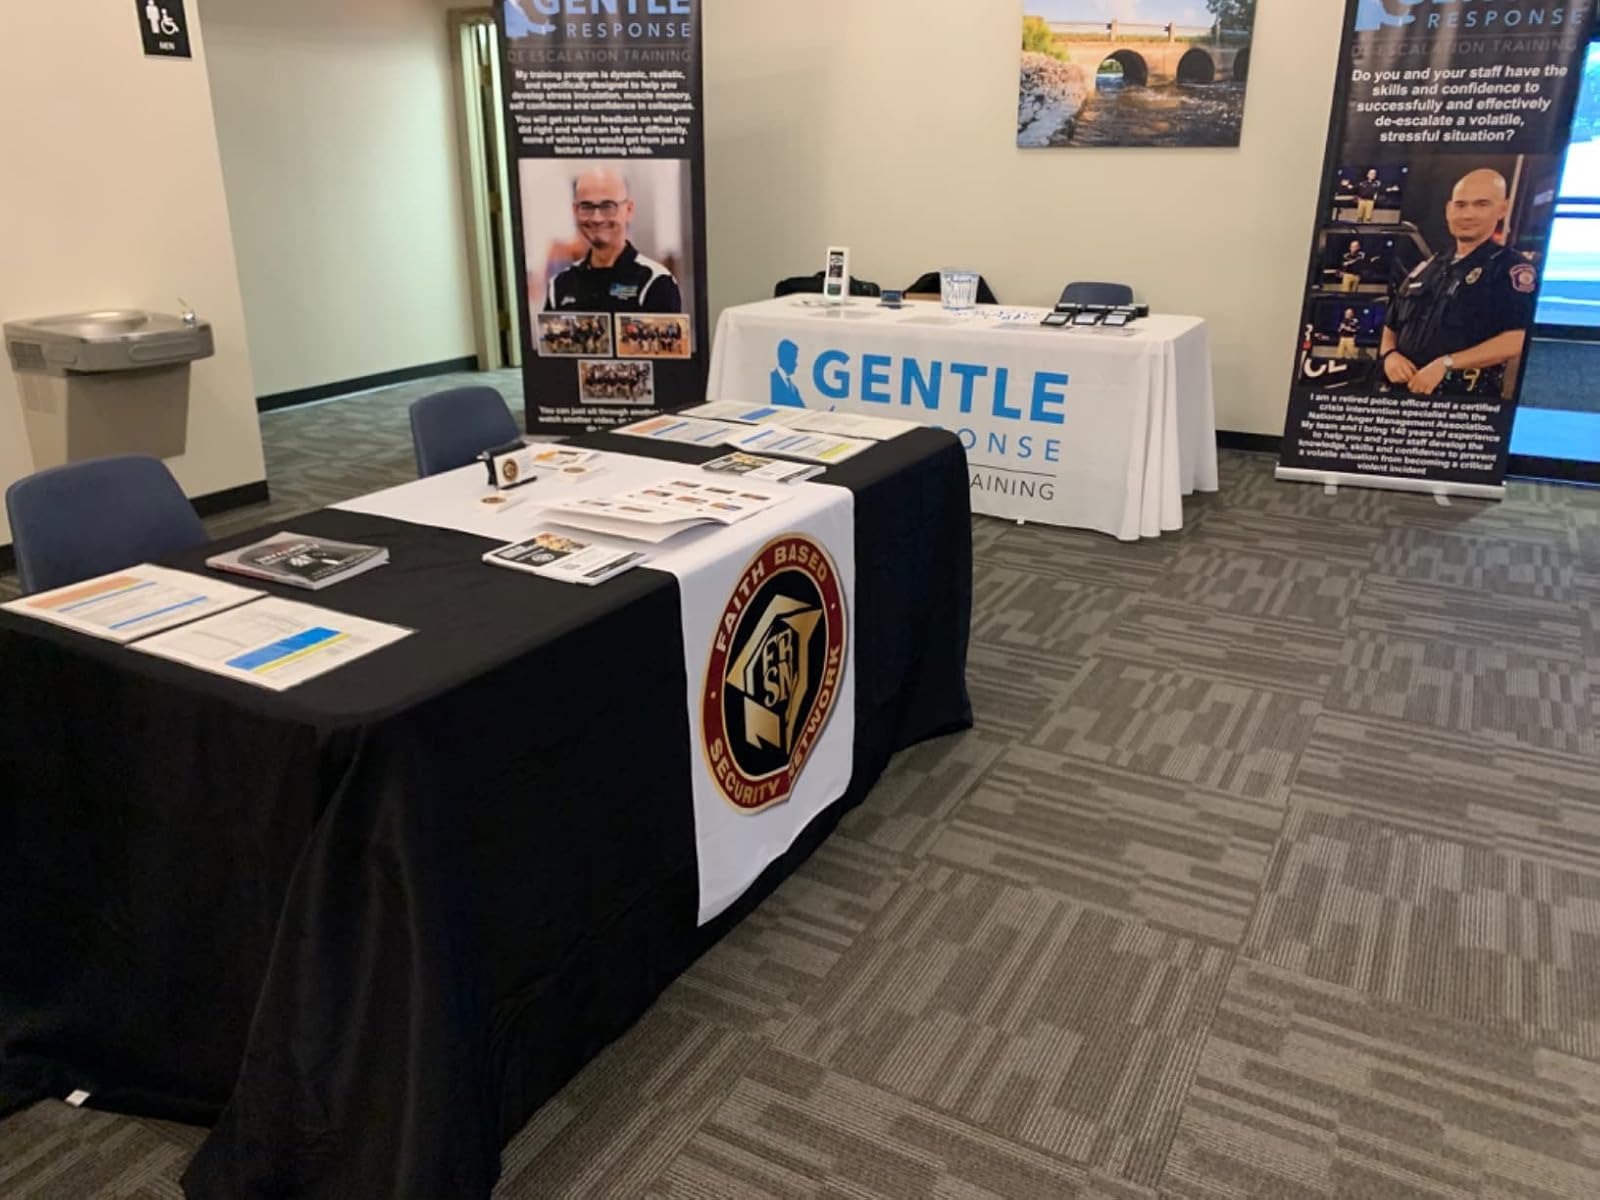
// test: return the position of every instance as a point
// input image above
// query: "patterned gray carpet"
(1272, 869)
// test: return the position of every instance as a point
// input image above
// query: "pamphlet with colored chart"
(274, 643)
(134, 603)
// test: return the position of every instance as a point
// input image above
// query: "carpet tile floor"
(1271, 869)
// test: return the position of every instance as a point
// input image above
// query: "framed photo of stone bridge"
(1133, 72)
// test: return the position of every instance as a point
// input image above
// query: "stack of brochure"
(768, 470)
(556, 556)
(301, 562)
(664, 510)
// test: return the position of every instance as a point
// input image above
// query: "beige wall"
(889, 126)
(337, 123)
(112, 197)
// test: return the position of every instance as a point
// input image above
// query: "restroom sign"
(164, 28)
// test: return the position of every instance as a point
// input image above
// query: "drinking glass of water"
(958, 291)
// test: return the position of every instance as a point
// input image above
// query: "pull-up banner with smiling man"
(605, 127)
(1450, 118)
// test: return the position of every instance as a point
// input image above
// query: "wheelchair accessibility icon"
(161, 22)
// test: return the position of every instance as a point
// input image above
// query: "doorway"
(486, 186)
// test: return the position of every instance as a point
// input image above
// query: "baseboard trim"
(1562, 470)
(342, 387)
(1256, 443)
(236, 497)
(206, 506)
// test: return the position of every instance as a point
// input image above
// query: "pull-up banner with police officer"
(1449, 122)
(605, 126)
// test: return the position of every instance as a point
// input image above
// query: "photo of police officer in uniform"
(1369, 195)
(1458, 321)
(1346, 328)
(1356, 262)
(616, 235)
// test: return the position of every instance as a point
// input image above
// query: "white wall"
(112, 197)
(337, 123)
(889, 126)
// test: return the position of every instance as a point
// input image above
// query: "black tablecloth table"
(368, 925)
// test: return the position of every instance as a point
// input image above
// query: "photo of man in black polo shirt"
(613, 276)
(1367, 191)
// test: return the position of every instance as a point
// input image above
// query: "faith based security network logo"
(772, 681)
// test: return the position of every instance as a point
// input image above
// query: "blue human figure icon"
(1373, 15)
(785, 392)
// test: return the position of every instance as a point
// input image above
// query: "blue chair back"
(93, 517)
(1097, 293)
(450, 429)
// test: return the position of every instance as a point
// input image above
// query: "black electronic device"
(1056, 319)
(1117, 319)
(1088, 316)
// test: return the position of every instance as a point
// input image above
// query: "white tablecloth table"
(1092, 428)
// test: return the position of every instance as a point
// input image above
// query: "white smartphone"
(836, 275)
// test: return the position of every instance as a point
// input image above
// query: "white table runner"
(767, 607)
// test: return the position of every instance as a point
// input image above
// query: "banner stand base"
(1428, 487)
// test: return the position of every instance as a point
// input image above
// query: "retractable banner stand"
(1450, 118)
(604, 123)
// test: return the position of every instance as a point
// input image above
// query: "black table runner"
(368, 925)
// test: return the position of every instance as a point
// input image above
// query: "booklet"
(130, 604)
(768, 470)
(301, 562)
(557, 556)
(664, 510)
(796, 443)
(689, 430)
(273, 643)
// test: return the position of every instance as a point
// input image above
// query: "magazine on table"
(302, 562)
(558, 556)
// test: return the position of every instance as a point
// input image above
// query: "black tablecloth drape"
(367, 926)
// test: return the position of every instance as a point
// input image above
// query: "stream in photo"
(1178, 114)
